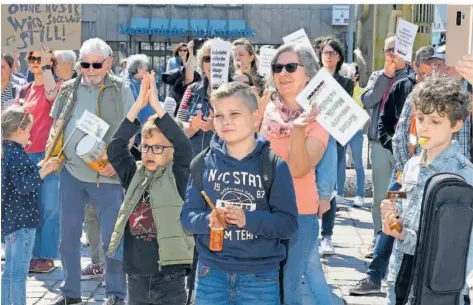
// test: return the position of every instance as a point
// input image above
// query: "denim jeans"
(356, 144)
(304, 259)
(217, 287)
(18, 250)
(341, 168)
(383, 247)
(328, 219)
(74, 195)
(162, 289)
(47, 234)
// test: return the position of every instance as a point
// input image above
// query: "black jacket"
(393, 108)
(176, 80)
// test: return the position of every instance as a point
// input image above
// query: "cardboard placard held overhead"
(219, 62)
(339, 114)
(26, 26)
(405, 35)
(298, 37)
(266, 55)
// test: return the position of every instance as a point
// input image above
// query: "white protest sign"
(93, 125)
(266, 55)
(339, 114)
(298, 37)
(405, 35)
(219, 62)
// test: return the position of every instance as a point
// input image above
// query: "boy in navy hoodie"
(246, 271)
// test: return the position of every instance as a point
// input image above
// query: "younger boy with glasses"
(157, 253)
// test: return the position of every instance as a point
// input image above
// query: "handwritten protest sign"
(220, 61)
(26, 26)
(93, 125)
(339, 114)
(405, 36)
(298, 37)
(266, 55)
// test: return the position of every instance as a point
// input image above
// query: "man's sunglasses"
(206, 59)
(32, 60)
(290, 67)
(156, 149)
(95, 65)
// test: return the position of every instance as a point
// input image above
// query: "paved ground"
(352, 235)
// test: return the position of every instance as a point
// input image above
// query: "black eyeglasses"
(388, 50)
(32, 60)
(156, 149)
(206, 59)
(290, 67)
(95, 65)
(183, 50)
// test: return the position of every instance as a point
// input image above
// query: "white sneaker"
(340, 199)
(2, 252)
(327, 247)
(359, 202)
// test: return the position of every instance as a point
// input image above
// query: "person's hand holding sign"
(306, 118)
(46, 55)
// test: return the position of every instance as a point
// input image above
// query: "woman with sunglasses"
(300, 140)
(10, 90)
(180, 71)
(39, 98)
(195, 111)
(331, 58)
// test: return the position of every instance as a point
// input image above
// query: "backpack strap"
(197, 170)
(269, 161)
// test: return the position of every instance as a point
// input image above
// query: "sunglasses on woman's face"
(206, 59)
(32, 60)
(290, 67)
(95, 65)
(183, 50)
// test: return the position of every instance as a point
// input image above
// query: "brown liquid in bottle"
(216, 239)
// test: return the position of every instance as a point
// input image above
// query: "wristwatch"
(46, 67)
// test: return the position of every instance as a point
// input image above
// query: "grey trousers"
(382, 163)
(92, 229)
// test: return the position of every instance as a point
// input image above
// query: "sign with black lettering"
(26, 26)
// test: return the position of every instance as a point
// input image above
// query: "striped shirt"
(7, 95)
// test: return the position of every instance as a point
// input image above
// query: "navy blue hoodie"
(257, 247)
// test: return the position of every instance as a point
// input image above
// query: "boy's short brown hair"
(149, 127)
(443, 94)
(240, 90)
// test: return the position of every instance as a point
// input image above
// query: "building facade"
(155, 29)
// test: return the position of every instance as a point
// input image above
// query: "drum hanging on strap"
(92, 152)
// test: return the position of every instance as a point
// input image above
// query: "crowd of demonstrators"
(270, 236)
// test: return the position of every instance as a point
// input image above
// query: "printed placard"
(266, 55)
(92, 125)
(298, 37)
(339, 114)
(405, 35)
(26, 26)
(220, 62)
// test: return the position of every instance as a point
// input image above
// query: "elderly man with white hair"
(65, 62)
(108, 97)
